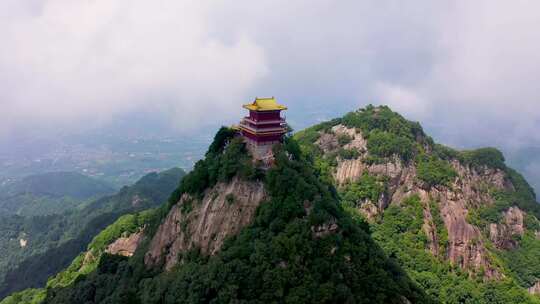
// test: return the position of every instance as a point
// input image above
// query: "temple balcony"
(248, 127)
(264, 122)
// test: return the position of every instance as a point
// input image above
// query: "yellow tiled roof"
(264, 104)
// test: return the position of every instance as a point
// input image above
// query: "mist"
(467, 71)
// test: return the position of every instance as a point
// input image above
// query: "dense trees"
(434, 171)
(54, 240)
(278, 258)
(219, 165)
(366, 188)
(400, 234)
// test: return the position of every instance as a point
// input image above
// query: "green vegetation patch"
(387, 132)
(523, 261)
(367, 187)
(87, 262)
(227, 157)
(348, 153)
(401, 236)
(28, 296)
(434, 171)
(382, 145)
(490, 157)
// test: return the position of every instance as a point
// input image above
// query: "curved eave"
(253, 107)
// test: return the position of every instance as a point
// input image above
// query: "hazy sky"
(468, 70)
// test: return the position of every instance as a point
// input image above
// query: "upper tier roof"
(264, 104)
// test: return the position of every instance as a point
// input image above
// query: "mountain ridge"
(362, 209)
(50, 193)
(61, 237)
(471, 191)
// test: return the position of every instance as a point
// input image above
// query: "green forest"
(291, 254)
(54, 240)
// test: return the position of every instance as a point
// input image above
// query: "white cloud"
(467, 69)
(76, 62)
(402, 99)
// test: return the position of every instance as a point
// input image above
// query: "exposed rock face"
(535, 289)
(431, 231)
(223, 211)
(348, 170)
(327, 142)
(513, 218)
(465, 247)
(502, 234)
(369, 210)
(125, 246)
(325, 228)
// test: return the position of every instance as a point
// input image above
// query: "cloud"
(481, 80)
(402, 99)
(81, 62)
(467, 70)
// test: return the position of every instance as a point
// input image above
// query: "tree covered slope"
(50, 193)
(32, 248)
(462, 223)
(299, 246)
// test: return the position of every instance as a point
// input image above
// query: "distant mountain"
(50, 193)
(34, 247)
(527, 161)
(59, 184)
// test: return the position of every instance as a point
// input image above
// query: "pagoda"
(264, 126)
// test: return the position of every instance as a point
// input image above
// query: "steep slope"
(51, 242)
(234, 233)
(466, 209)
(205, 223)
(120, 238)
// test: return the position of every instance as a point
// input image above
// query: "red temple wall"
(265, 126)
(267, 115)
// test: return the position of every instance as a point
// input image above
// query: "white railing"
(261, 130)
(264, 122)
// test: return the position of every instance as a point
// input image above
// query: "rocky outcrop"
(369, 210)
(194, 223)
(535, 289)
(466, 246)
(503, 235)
(431, 231)
(125, 246)
(325, 229)
(349, 170)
